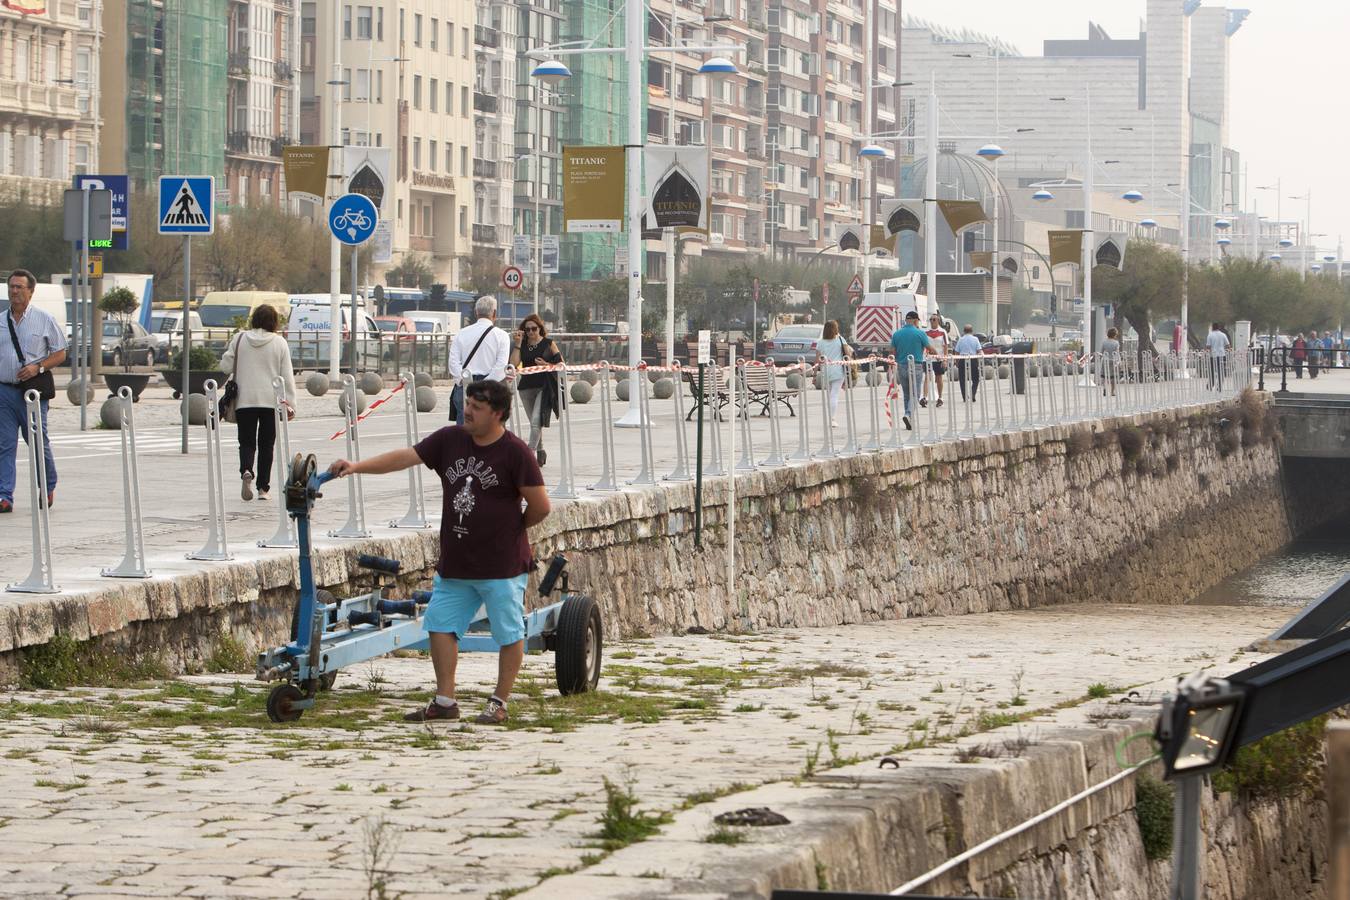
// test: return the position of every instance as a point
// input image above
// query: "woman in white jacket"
(255, 357)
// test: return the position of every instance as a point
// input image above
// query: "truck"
(880, 315)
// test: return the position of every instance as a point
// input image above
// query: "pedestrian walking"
(477, 353)
(1314, 354)
(538, 391)
(832, 349)
(1298, 352)
(254, 358)
(1110, 354)
(486, 472)
(1218, 345)
(968, 351)
(910, 344)
(35, 345)
(938, 335)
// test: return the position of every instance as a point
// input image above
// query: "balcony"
(484, 168)
(283, 71)
(237, 142)
(486, 103)
(34, 99)
(486, 235)
(486, 37)
(237, 63)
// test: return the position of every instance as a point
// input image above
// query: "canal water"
(1293, 576)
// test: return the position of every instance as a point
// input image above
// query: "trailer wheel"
(580, 642)
(279, 708)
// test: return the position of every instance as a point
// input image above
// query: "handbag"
(43, 382)
(457, 393)
(229, 399)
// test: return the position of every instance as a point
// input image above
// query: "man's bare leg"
(509, 659)
(444, 659)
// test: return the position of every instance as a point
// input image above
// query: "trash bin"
(1019, 365)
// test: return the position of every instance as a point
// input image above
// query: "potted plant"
(203, 366)
(121, 303)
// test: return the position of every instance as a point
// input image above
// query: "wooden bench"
(714, 395)
(756, 383)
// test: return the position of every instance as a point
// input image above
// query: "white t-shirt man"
(1217, 342)
(490, 360)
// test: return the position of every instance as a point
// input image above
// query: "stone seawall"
(1151, 509)
(867, 829)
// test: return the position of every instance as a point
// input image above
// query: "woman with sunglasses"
(539, 391)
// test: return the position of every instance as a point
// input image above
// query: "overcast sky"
(1289, 64)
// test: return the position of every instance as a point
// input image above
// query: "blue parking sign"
(187, 204)
(121, 209)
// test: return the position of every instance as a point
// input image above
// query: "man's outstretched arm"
(393, 461)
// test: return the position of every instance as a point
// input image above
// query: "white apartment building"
(495, 37)
(263, 97)
(408, 73)
(49, 98)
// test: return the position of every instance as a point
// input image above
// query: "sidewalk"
(184, 788)
(87, 518)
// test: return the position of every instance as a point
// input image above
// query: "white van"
(51, 299)
(308, 330)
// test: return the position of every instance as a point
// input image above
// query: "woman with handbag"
(254, 358)
(832, 348)
(538, 391)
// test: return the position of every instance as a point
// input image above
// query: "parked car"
(396, 327)
(607, 328)
(139, 346)
(166, 327)
(793, 341)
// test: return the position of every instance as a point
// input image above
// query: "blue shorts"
(455, 602)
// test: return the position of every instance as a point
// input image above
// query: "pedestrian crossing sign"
(186, 205)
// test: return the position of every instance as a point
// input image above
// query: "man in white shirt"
(968, 345)
(477, 353)
(1218, 345)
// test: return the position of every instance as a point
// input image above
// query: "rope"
(374, 406)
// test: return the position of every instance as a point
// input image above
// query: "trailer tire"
(279, 708)
(580, 643)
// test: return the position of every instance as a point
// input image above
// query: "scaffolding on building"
(176, 63)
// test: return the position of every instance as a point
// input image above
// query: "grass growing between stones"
(64, 662)
(1285, 764)
(1153, 808)
(622, 823)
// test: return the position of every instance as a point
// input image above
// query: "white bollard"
(39, 580)
(416, 516)
(681, 471)
(874, 442)
(607, 480)
(217, 546)
(850, 447)
(747, 460)
(355, 526)
(133, 560)
(827, 449)
(285, 536)
(566, 488)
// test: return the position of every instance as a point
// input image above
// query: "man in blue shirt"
(910, 344)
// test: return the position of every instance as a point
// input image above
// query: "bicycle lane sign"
(353, 218)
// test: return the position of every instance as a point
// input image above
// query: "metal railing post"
(356, 495)
(645, 474)
(566, 487)
(803, 420)
(747, 460)
(827, 450)
(133, 561)
(285, 535)
(681, 471)
(775, 426)
(39, 580)
(874, 414)
(217, 545)
(850, 447)
(416, 516)
(608, 481)
(713, 462)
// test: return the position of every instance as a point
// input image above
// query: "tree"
(484, 275)
(412, 271)
(121, 302)
(1149, 285)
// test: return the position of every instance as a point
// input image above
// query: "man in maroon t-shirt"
(485, 473)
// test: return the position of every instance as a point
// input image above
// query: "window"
(464, 162)
(379, 85)
(346, 84)
(432, 93)
(435, 30)
(464, 46)
(464, 98)
(51, 67)
(417, 29)
(449, 99)
(417, 153)
(449, 158)
(82, 153)
(450, 38)
(22, 72)
(431, 156)
(426, 220)
(347, 21)
(400, 209)
(401, 31)
(364, 14)
(361, 90)
(379, 23)
(463, 221)
(83, 78)
(417, 92)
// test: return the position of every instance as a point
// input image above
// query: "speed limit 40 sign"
(511, 278)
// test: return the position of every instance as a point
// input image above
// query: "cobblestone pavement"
(184, 788)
